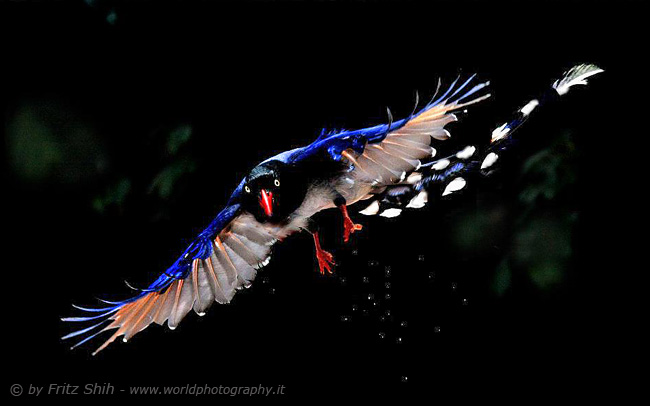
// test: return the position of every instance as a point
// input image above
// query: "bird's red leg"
(349, 226)
(325, 259)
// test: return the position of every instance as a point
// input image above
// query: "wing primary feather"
(92, 309)
(195, 280)
(160, 317)
(158, 302)
(172, 316)
(109, 302)
(417, 102)
(141, 314)
(138, 289)
(239, 242)
(217, 290)
(390, 119)
(218, 245)
(434, 93)
(473, 90)
(451, 87)
(90, 337)
(461, 87)
(78, 319)
(78, 332)
(129, 313)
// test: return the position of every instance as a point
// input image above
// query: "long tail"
(448, 175)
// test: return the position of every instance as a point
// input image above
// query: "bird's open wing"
(223, 259)
(385, 154)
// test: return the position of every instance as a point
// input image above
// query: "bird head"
(272, 191)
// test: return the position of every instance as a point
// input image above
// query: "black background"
(256, 78)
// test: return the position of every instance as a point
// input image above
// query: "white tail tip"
(575, 76)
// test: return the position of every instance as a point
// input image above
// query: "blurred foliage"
(550, 172)
(163, 183)
(476, 229)
(166, 180)
(49, 142)
(533, 228)
(178, 137)
(115, 195)
(540, 246)
(107, 8)
(34, 152)
(502, 278)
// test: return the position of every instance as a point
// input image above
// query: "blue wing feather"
(335, 144)
(200, 248)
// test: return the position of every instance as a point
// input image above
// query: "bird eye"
(276, 182)
(247, 189)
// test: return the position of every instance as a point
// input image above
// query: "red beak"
(266, 201)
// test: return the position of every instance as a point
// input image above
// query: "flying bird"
(389, 168)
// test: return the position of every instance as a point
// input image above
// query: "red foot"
(325, 259)
(349, 226)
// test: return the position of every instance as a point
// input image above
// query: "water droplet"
(404, 379)
(432, 276)
(387, 312)
(355, 307)
(343, 280)
(388, 271)
(265, 280)
(399, 340)
(365, 312)
(382, 318)
(387, 285)
(375, 304)
(345, 319)
(371, 296)
(382, 335)
(387, 296)
(366, 279)
(465, 302)
(421, 258)
(373, 262)
(272, 291)
(355, 252)
(403, 324)
(436, 329)
(454, 286)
